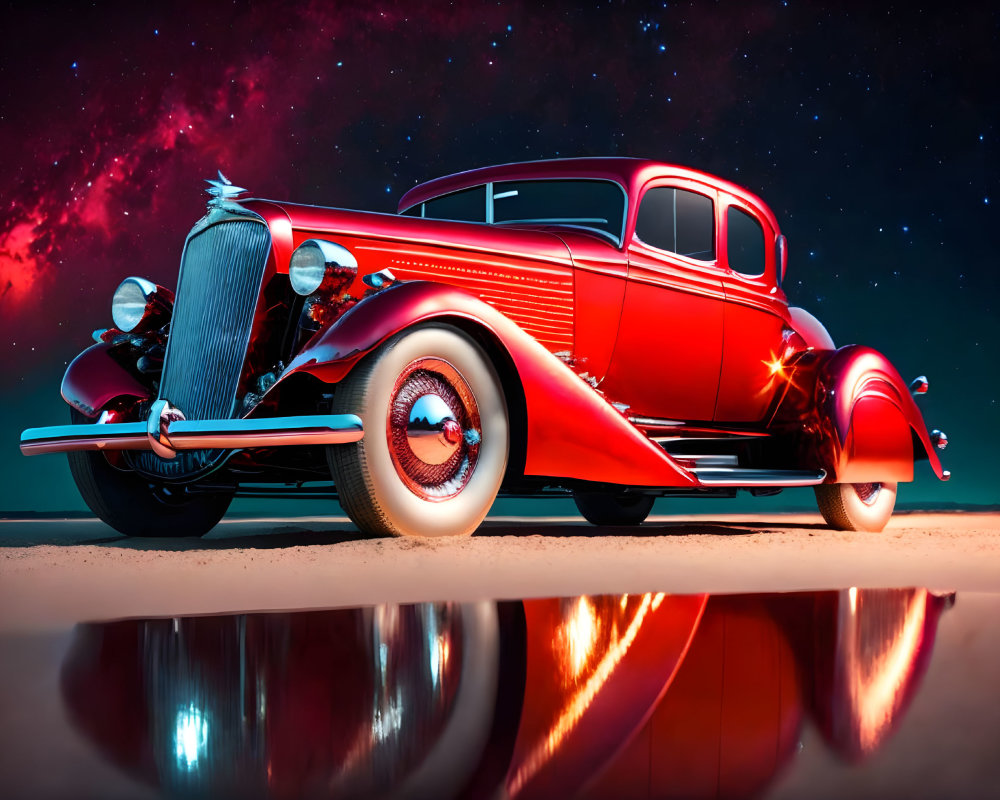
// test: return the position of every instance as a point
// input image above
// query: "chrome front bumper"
(166, 435)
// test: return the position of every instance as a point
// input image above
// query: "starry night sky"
(870, 130)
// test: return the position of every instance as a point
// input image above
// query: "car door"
(668, 353)
(755, 315)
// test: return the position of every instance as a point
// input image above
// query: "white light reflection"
(577, 636)
(190, 736)
(433, 647)
(388, 719)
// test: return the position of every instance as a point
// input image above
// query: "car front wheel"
(436, 436)
(135, 507)
(856, 506)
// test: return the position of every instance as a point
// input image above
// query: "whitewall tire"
(856, 506)
(436, 435)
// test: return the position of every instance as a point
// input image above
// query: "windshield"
(594, 205)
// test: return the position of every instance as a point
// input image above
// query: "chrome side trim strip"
(705, 461)
(227, 434)
(653, 422)
(717, 476)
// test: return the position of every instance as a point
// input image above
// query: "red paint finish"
(596, 666)
(537, 297)
(871, 412)
(558, 401)
(280, 227)
(669, 349)
(600, 274)
(729, 721)
(526, 275)
(93, 379)
(871, 652)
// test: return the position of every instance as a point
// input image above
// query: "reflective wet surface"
(860, 692)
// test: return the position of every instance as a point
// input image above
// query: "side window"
(744, 242)
(413, 211)
(468, 205)
(679, 221)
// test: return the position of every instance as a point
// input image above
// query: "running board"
(715, 476)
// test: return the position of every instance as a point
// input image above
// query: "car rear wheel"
(856, 506)
(609, 508)
(135, 507)
(436, 436)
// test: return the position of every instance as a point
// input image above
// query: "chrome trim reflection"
(182, 434)
(161, 414)
(654, 422)
(304, 279)
(221, 192)
(432, 431)
(710, 460)
(130, 303)
(718, 476)
(379, 280)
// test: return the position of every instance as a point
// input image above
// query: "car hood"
(535, 243)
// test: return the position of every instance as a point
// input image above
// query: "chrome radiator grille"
(213, 312)
(217, 290)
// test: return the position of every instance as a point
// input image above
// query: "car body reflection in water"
(607, 696)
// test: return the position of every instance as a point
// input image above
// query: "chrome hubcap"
(432, 431)
(867, 492)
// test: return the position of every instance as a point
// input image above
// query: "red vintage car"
(610, 327)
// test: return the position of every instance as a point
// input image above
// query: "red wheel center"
(430, 411)
(451, 431)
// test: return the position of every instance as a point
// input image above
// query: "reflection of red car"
(631, 696)
(612, 326)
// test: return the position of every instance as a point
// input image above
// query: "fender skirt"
(572, 430)
(874, 418)
(93, 379)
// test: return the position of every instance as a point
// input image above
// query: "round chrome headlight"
(313, 260)
(131, 298)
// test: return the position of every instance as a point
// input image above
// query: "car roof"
(631, 173)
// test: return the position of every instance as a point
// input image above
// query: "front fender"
(873, 418)
(572, 431)
(93, 379)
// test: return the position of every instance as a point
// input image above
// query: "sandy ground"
(57, 572)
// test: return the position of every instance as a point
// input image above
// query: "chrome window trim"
(618, 239)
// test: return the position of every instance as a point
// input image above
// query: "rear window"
(744, 242)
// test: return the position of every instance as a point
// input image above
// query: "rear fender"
(93, 379)
(873, 420)
(572, 431)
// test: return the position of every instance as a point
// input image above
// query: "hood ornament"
(222, 191)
